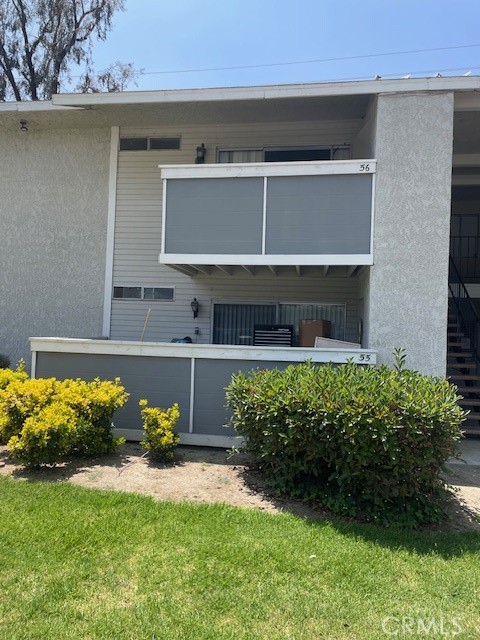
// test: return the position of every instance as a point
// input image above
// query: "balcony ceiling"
(151, 115)
(273, 271)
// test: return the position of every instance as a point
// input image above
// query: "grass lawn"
(78, 564)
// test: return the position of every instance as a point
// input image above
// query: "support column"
(405, 293)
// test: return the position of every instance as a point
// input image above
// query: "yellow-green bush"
(45, 419)
(158, 425)
(46, 437)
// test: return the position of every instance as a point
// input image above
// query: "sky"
(187, 36)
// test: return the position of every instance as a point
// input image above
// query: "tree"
(41, 39)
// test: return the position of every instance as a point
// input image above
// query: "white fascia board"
(266, 260)
(204, 351)
(37, 105)
(359, 87)
(267, 169)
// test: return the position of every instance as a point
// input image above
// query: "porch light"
(201, 153)
(23, 125)
(195, 307)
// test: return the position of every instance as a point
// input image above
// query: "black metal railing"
(466, 252)
(466, 312)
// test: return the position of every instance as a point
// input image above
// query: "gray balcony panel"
(215, 215)
(319, 214)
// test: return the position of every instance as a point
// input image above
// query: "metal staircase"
(463, 349)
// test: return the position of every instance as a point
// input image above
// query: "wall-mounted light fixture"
(201, 153)
(195, 307)
(23, 125)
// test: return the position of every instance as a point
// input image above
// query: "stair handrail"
(472, 334)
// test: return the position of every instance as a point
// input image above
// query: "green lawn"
(78, 563)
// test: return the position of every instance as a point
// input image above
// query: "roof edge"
(268, 92)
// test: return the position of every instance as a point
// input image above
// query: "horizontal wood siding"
(138, 235)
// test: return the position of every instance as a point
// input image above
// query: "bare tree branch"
(40, 41)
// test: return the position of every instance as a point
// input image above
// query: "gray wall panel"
(162, 381)
(319, 214)
(221, 215)
(211, 378)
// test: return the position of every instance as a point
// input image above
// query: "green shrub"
(43, 420)
(364, 441)
(158, 425)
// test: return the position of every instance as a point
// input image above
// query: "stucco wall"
(407, 292)
(53, 218)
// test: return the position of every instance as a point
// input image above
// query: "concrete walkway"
(470, 449)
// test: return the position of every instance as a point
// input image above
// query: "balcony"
(298, 214)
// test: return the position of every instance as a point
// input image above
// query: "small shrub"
(94, 403)
(367, 442)
(158, 425)
(20, 399)
(43, 420)
(46, 437)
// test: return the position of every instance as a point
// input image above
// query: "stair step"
(454, 344)
(459, 354)
(463, 390)
(465, 376)
(473, 416)
(473, 402)
(455, 334)
(461, 365)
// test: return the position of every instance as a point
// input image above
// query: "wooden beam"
(325, 270)
(203, 269)
(351, 270)
(185, 269)
(249, 269)
(273, 269)
(298, 269)
(227, 270)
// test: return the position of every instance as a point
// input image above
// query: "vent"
(149, 144)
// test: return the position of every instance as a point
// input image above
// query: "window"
(294, 154)
(233, 322)
(241, 155)
(166, 294)
(132, 293)
(149, 144)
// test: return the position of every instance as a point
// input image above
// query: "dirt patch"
(212, 475)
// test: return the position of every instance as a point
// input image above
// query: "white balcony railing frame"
(266, 170)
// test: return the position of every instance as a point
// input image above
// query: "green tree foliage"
(40, 40)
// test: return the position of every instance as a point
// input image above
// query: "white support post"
(112, 196)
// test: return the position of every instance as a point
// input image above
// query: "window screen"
(234, 323)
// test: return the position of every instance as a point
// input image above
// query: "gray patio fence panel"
(162, 381)
(222, 216)
(313, 215)
(211, 377)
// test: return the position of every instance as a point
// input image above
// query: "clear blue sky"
(166, 35)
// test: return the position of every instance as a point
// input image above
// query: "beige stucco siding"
(407, 291)
(53, 218)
